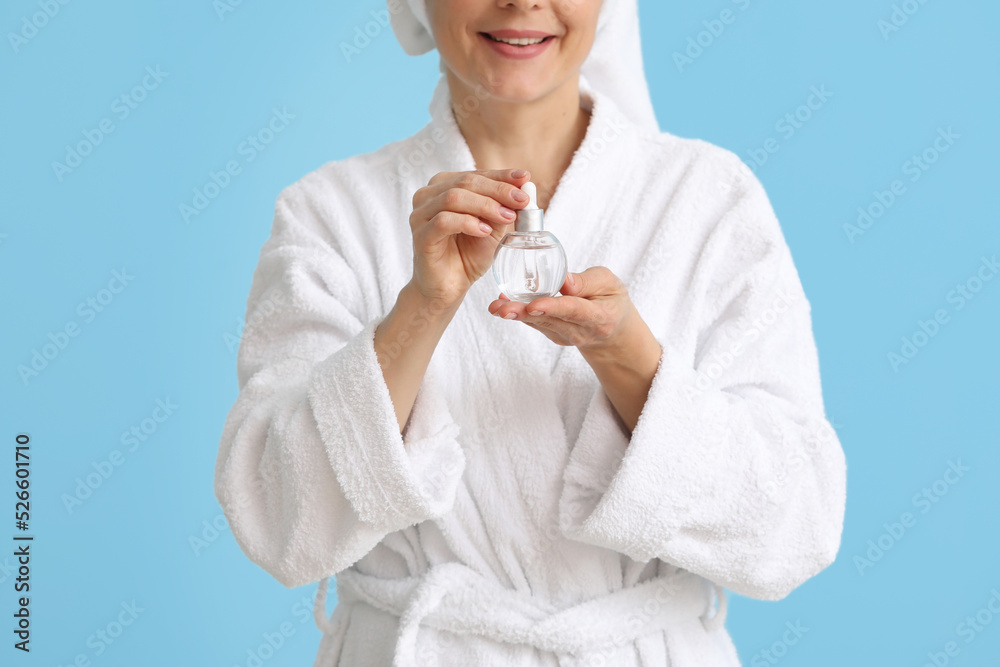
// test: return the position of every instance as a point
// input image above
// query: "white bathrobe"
(516, 522)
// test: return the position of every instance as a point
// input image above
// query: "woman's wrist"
(404, 342)
(633, 338)
(414, 324)
(626, 367)
(434, 309)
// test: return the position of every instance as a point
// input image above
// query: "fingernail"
(519, 173)
(519, 194)
(486, 228)
(569, 279)
(510, 316)
(507, 213)
(535, 313)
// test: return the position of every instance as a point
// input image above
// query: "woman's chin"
(518, 89)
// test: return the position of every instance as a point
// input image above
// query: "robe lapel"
(583, 213)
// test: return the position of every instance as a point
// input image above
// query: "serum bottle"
(529, 262)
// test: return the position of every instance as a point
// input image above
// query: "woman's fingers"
(462, 200)
(595, 281)
(441, 213)
(575, 311)
(456, 204)
(516, 177)
(492, 196)
(590, 299)
(565, 320)
(499, 185)
(446, 223)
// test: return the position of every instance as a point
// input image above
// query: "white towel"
(613, 66)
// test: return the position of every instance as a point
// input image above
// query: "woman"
(577, 491)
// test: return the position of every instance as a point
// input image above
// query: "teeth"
(522, 41)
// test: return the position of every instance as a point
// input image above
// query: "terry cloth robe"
(516, 521)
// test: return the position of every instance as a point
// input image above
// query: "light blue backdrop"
(163, 330)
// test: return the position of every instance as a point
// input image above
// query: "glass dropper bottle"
(529, 262)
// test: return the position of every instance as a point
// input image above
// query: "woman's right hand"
(457, 220)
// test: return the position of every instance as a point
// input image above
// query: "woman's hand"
(457, 220)
(597, 315)
(594, 313)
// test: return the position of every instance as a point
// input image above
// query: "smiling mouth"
(520, 41)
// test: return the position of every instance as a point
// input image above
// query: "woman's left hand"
(594, 313)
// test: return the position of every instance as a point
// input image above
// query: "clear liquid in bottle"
(529, 265)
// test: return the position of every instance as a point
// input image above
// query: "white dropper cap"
(530, 218)
(532, 192)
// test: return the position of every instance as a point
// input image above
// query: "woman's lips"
(508, 33)
(514, 51)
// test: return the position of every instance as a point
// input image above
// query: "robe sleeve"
(733, 471)
(312, 471)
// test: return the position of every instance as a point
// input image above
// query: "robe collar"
(591, 183)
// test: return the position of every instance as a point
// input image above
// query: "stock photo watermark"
(248, 149)
(819, 436)
(924, 500)
(593, 152)
(926, 330)
(427, 147)
(210, 533)
(272, 642)
(914, 167)
(133, 438)
(389, 351)
(22, 549)
(266, 307)
(899, 17)
(31, 24)
(122, 107)
(88, 310)
(780, 647)
(700, 42)
(225, 7)
(788, 125)
(7, 569)
(967, 630)
(104, 637)
(364, 35)
(722, 359)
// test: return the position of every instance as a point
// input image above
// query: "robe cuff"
(615, 484)
(392, 481)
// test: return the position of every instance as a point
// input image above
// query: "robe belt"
(455, 598)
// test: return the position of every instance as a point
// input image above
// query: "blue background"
(170, 333)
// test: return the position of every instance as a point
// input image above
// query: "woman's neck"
(540, 136)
